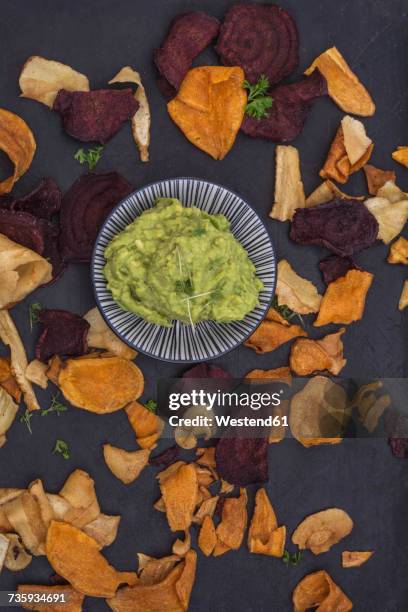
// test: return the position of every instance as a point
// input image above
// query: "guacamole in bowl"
(177, 263)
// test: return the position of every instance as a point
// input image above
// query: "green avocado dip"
(178, 263)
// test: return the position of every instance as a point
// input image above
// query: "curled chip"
(164, 584)
(319, 592)
(264, 535)
(401, 156)
(234, 518)
(403, 301)
(377, 178)
(289, 191)
(319, 413)
(262, 39)
(146, 425)
(189, 34)
(355, 558)
(85, 207)
(344, 227)
(102, 337)
(18, 143)
(63, 333)
(73, 600)
(24, 515)
(100, 385)
(398, 253)
(320, 531)
(391, 216)
(334, 266)
(209, 108)
(8, 411)
(295, 291)
(125, 465)
(370, 407)
(75, 556)
(272, 333)
(95, 116)
(356, 141)
(290, 108)
(8, 381)
(17, 557)
(43, 202)
(343, 85)
(344, 299)
(141, 119)
(339, 165)
(207, 538)
(309, 356)
(179, 490)
(326, 192)
(242, 461)
(41, 79)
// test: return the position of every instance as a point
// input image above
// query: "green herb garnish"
(258, 99)
(286, 312)
(33, 313)
(151, 405)
(291, 558)
(55, 406)
(61, 448)
(90, 157)
(26, 419)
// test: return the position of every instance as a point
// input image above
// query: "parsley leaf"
(26, 419)
(258, 99)
(291, 558)
(151, 405)
(61, 448)
(55, 406)
(33, 313)
(286, 312)
(90, 157)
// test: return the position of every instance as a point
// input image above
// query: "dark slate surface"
(98, 37)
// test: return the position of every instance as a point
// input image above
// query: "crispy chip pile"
(318, 591)
(309, 356)
(319, 532)
(264, 535)
(344, 299)
(295, 291)
(343, 85)
(344, 160)
(209, 108)
(146, 425)
(272, 333)
(18, 143)
(289, 191)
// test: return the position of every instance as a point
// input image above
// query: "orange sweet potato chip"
(73, 599)
(337, 166)
(355, 558)
(179, 490)
(344, 299)
(209, 108)
(230, 532)
(18, 143)
(264, 535)
(377, 178)
(206, 456)
(398, 252)
(320, 592)
(343, 85)
(280, 374)
(146, 425)
(75, 556)
(207, 538)
(272, 333)
(100, 385)
(7, 380)
(308, 356)
(401, 156)
(206, 508)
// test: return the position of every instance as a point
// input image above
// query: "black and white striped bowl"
(182, 343)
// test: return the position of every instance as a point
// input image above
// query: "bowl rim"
(93, 280)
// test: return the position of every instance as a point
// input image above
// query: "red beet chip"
(242, 461)
(206, 370)
(397, 426)
(85, 207)
(43, 202)
(95, 116)
(64, 333)
(334, 266)
(189, 34)
(23, 228)
(342, 226)
(289, 111)
(262, 39)
(166, 457)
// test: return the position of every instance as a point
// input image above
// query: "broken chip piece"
(101, 336)
(125, 465)
(179, 490)
(391, 216)
(320, 531)
(308, 356)
(377, 178)
(355, 558)
(344, 87)
(401, 156)
(343, 161)
(8, 381)
(344, 299)
(318, 591)
(264, 535)
(272, 333)
(398, 253)
(234, 517)
(146, 425)
(326, 192)
(289, 191)
(207, 538)
(8, 412)
(18, 143)
(403, 301)
(296, 292)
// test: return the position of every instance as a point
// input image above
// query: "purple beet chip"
(397, 427)
(206, 370)
(23, 228)
(85, 207)
(95, 116)
(344, 227)
(43, 202)
(166, 457)
(290, 108)
(64, 333)
(189, 34)
(242, 461)
(334, 266)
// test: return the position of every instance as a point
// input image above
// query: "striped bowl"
(183, 343)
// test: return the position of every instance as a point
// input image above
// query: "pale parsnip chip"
(141, 119)
(8, 411)
(103, 529)
(403, 301)
(320, 531)
(41, 79)
(401, 156)
(391, 217)
(337, 165)
(295, 291)
(24, 514)
(343, 85)
(356, 141)
(319, 592)
(36, 372)
(10, 336)
(36, 489)
(4, 546)
(79, 492)
(17, 557)
(325, 192)
(392, 192)
(289, 191)
(100, 336)
(355, 558)
(125, 465)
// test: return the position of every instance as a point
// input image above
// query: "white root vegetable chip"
(41, 79)
(8, 411)
(289, 191)
(296, 292)
(100, 336)
(141, 119)
(123, 464)
(356, 141)
(36, 372)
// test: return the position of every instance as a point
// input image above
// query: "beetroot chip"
(206, 370)
(23, 228)
(166, 457)
(85, 207)
(262, 39)
(289, 111)
(43, 202)
(334, 266)
(242, 461)
(397, 427)
(342, 226)
(95, 115)
(64, 333)
(189, 34)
